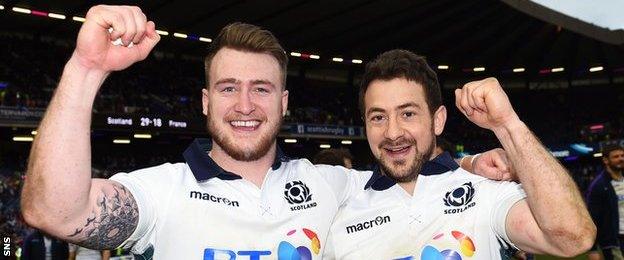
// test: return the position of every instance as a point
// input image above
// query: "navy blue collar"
(441, 164)
(204, 167)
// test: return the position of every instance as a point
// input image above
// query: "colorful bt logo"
(466, 249)
(285, 250)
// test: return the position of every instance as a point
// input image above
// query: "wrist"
(83, 66)
(472, 161)
(504, 131)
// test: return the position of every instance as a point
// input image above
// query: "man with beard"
(605, 200)
(421, 205)
(237, 195)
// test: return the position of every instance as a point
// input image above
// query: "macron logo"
(206, 196)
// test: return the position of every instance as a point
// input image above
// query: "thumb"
(149, 41)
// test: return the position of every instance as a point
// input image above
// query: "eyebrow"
(262, 82)
(227, 80)
(375, 109)
(253, 82)
(402, 106)
(409, 104)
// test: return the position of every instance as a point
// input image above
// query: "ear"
(439, 120)
(605, 160)
(284, 102)
(205, 100)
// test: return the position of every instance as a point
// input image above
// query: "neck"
(616, 175)
(408, 187)
(411, 185)
(253, 171)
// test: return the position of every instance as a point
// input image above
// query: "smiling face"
(244, 103)
(400, 129)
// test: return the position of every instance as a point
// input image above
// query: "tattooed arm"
(112, 219)
(59, 195)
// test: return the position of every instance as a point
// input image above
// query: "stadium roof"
(463, 34)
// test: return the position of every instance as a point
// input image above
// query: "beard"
(254, 152)
(405, 170)
(616, 167)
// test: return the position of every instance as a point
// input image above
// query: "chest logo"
(299, 195)
(459, 199)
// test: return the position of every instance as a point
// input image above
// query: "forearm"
(58, 179)
(552, 196)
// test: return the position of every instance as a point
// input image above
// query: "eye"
(376, 118)
(262, 90)
(228, 89)
(409, 114)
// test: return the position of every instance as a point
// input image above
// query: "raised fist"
(485, 103)
(105, 24)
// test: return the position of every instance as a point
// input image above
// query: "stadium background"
(566, 86)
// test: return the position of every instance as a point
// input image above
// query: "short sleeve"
(506, 194)
(146, 186)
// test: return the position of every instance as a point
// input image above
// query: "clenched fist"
(485, 103)
(95, 48)
(494, 165)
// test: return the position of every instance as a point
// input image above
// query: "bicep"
(110, 218)
(523, 230)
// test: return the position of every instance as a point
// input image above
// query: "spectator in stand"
(340, 157)
(605, 199)
(39, 246)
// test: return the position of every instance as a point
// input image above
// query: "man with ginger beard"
(237, 195)
(421, 205)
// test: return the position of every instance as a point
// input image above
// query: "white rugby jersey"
(197, 210)
(453, 214)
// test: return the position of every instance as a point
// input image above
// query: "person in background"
(605, 200)
(40, 246)
(77, 252)
(332, 156)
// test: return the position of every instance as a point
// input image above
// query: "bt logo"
(285, 251)
(464, 242)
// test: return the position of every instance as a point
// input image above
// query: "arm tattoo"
(112, 221)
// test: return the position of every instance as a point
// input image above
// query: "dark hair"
(332, 157)
(403, 64)
(607, 149)
(247, 37)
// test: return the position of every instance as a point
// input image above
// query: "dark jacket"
(602, 203)
(34, 248)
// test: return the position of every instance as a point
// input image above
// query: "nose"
(394, 131)
(244, 104)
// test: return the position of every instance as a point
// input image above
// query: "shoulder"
(305, 164)
(460, 177)
(164, 174)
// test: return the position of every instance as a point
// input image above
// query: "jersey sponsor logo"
(459, 199)
(378, 221)
(463, 247)
(213, 198)
(298, 194)
(285, 250)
